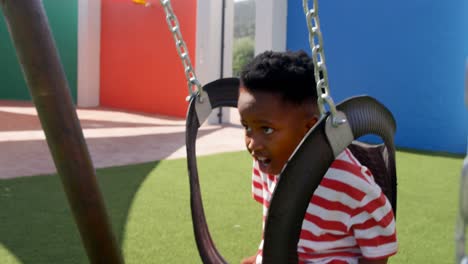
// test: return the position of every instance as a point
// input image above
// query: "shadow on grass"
(37, 225)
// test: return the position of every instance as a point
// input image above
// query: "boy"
(349, 220)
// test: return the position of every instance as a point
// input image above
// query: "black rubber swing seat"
(302, 174)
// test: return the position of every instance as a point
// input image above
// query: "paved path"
(114, 138)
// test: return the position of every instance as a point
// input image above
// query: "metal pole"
(462, 220)
(36, 51)
(221, 66)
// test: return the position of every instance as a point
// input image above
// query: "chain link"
(194, 85)
(318, 57)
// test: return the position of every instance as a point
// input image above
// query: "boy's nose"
(254, 144)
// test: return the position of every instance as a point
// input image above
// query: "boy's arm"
(373, 261)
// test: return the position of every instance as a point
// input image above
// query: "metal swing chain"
(182, 50)
(318, 57)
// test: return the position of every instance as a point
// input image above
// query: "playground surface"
(114, 137)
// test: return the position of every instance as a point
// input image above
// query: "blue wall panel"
(410, 55)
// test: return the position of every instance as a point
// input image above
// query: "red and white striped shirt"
(348, 216)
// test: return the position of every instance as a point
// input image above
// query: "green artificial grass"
(428, 188)
(150, 212)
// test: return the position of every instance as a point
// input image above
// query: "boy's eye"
(267, 130)
(247, 128)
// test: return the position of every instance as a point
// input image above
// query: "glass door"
(238, 42)
(243, 45)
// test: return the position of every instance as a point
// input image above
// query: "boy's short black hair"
(289, 74)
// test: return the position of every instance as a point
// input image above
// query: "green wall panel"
(63, 20)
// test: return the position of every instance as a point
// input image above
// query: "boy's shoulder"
(347, 170)
(348, 163)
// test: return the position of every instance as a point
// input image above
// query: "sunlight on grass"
(428, 188)
(161, 212)
(7, 257)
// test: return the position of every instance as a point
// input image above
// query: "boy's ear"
(311, 122)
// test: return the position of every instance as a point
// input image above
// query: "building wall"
(412, 61)
(62, 17)
(140, 68)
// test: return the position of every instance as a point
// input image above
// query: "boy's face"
(273, 128)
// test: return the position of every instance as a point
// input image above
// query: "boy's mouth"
(263, 161)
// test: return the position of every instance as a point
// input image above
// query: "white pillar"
(89, 52)
(209, 47)
(208, 40)
(270, 25)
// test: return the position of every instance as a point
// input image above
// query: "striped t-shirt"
(348, 216)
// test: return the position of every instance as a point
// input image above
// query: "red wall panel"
(140, 67)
